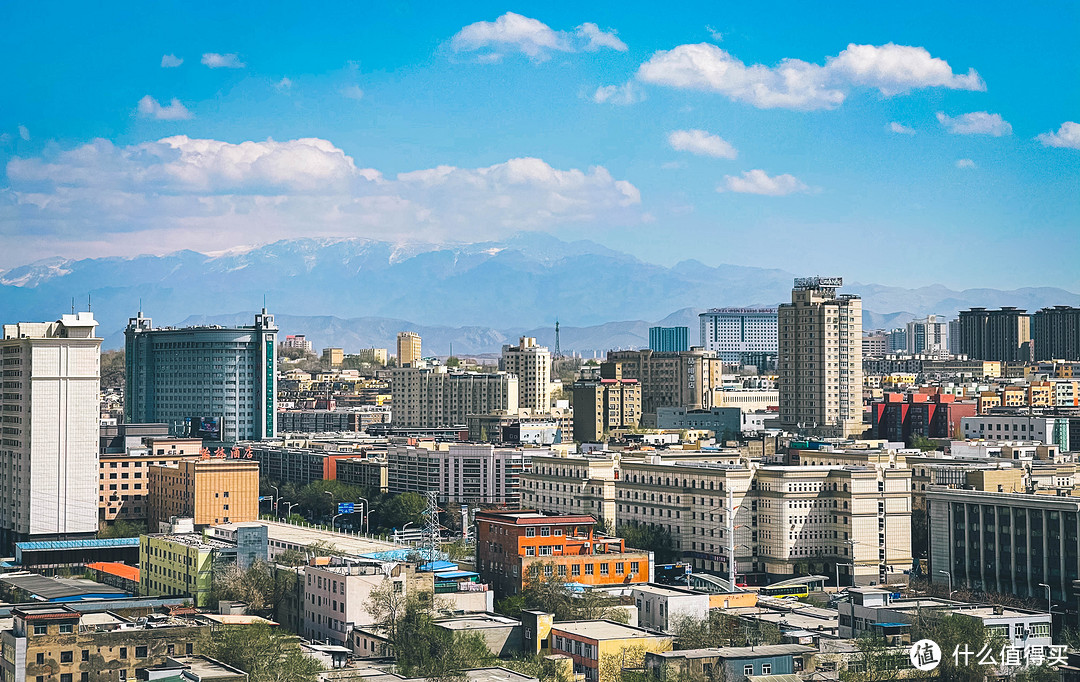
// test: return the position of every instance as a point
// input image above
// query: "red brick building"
(900, 417)
(507, 543)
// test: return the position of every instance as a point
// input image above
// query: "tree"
(546, 590)
(918, 533)
(398, 510)
(874, 661)
(923, 443)
(653, 538)
(122, 529)
(453, 362)
(262, 586)
(113, 369)
(538, 666)
(612, 667)
(954, 632)
(265, 653)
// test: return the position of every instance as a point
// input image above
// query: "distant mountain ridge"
(356, 291)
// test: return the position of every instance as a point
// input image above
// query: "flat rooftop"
(742, 651)
(666, 590)
(603, 629)
(477, 622)
(303, 536)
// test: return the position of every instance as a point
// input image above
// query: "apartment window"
(65, 677)
(41, 629)
(588, 569)
(620, 568)
(635, 567)
(40, 658)
(530, 532)
(123, 652)
(140, 652)
(66, 628)
(766, 668)
(575, 570)
(86, 654)
(67, 656)
(748, 669)
(545, 532)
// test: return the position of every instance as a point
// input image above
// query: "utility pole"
(731, 538)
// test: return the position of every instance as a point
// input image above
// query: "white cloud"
(596, 39)
(533, 38)
(178, 191)
(627, 93)
(759, 182)
(900, 128)
(171, 61)
(975, 123)
(714, 34)
(701, 143)
(352, 92)
(1068, 135)
(24, 132)
(151, 108)
(965, 163)
(797, 84)
(284, 84)
(223, 61)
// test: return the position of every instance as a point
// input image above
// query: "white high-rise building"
(743, 335)
(433, 397)
(821, 360)
(929, 335)
(532, 365)
(49, 450)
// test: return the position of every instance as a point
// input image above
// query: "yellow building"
(177, 564)
(333, 357)
(218, 489)
(408, 349)
(602, 648)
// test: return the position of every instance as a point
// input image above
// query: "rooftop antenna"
(72, 305)
(88, 308)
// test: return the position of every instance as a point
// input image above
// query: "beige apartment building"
(788, 520)
(821, 360)
(124, 477)
(408, 349)
(601, 405)
(676, 379)
(532, 365)
(430, 397)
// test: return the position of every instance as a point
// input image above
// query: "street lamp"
(1049, 604)
(364, 513)
(291, 505)
(949, 576)
(275, 498)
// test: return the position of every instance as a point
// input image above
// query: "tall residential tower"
(408, 349)
(821, 360)
(532, 365)
(48, 455)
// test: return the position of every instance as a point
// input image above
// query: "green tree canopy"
(264, 652)
(652, 538)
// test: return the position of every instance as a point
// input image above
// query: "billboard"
(207, 428)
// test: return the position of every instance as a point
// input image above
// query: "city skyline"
(224, 129)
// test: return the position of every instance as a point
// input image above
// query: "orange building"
(209, 490)
(123, 478)
(508, 543)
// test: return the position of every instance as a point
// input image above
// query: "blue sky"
(404, 121)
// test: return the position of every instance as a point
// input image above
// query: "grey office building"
(210, 382)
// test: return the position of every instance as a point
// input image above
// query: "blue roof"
(77, 544)
(439, 566)
(456, 574)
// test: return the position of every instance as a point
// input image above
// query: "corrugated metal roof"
(77, 544)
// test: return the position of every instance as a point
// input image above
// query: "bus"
(785, 591)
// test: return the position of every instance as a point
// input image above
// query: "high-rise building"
(376, 356)
(48, 454)
(601, 405)
(875, 344)
(687, 379)
(743, 335)
(669, 339)
(954, 337)
(929, 335)
(408, 349)
(532, 365)
(210, 382)
(333, 357)
(1003, 335)
(431, 397)
(897, 340)
(821, 360)
(1056, 333)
